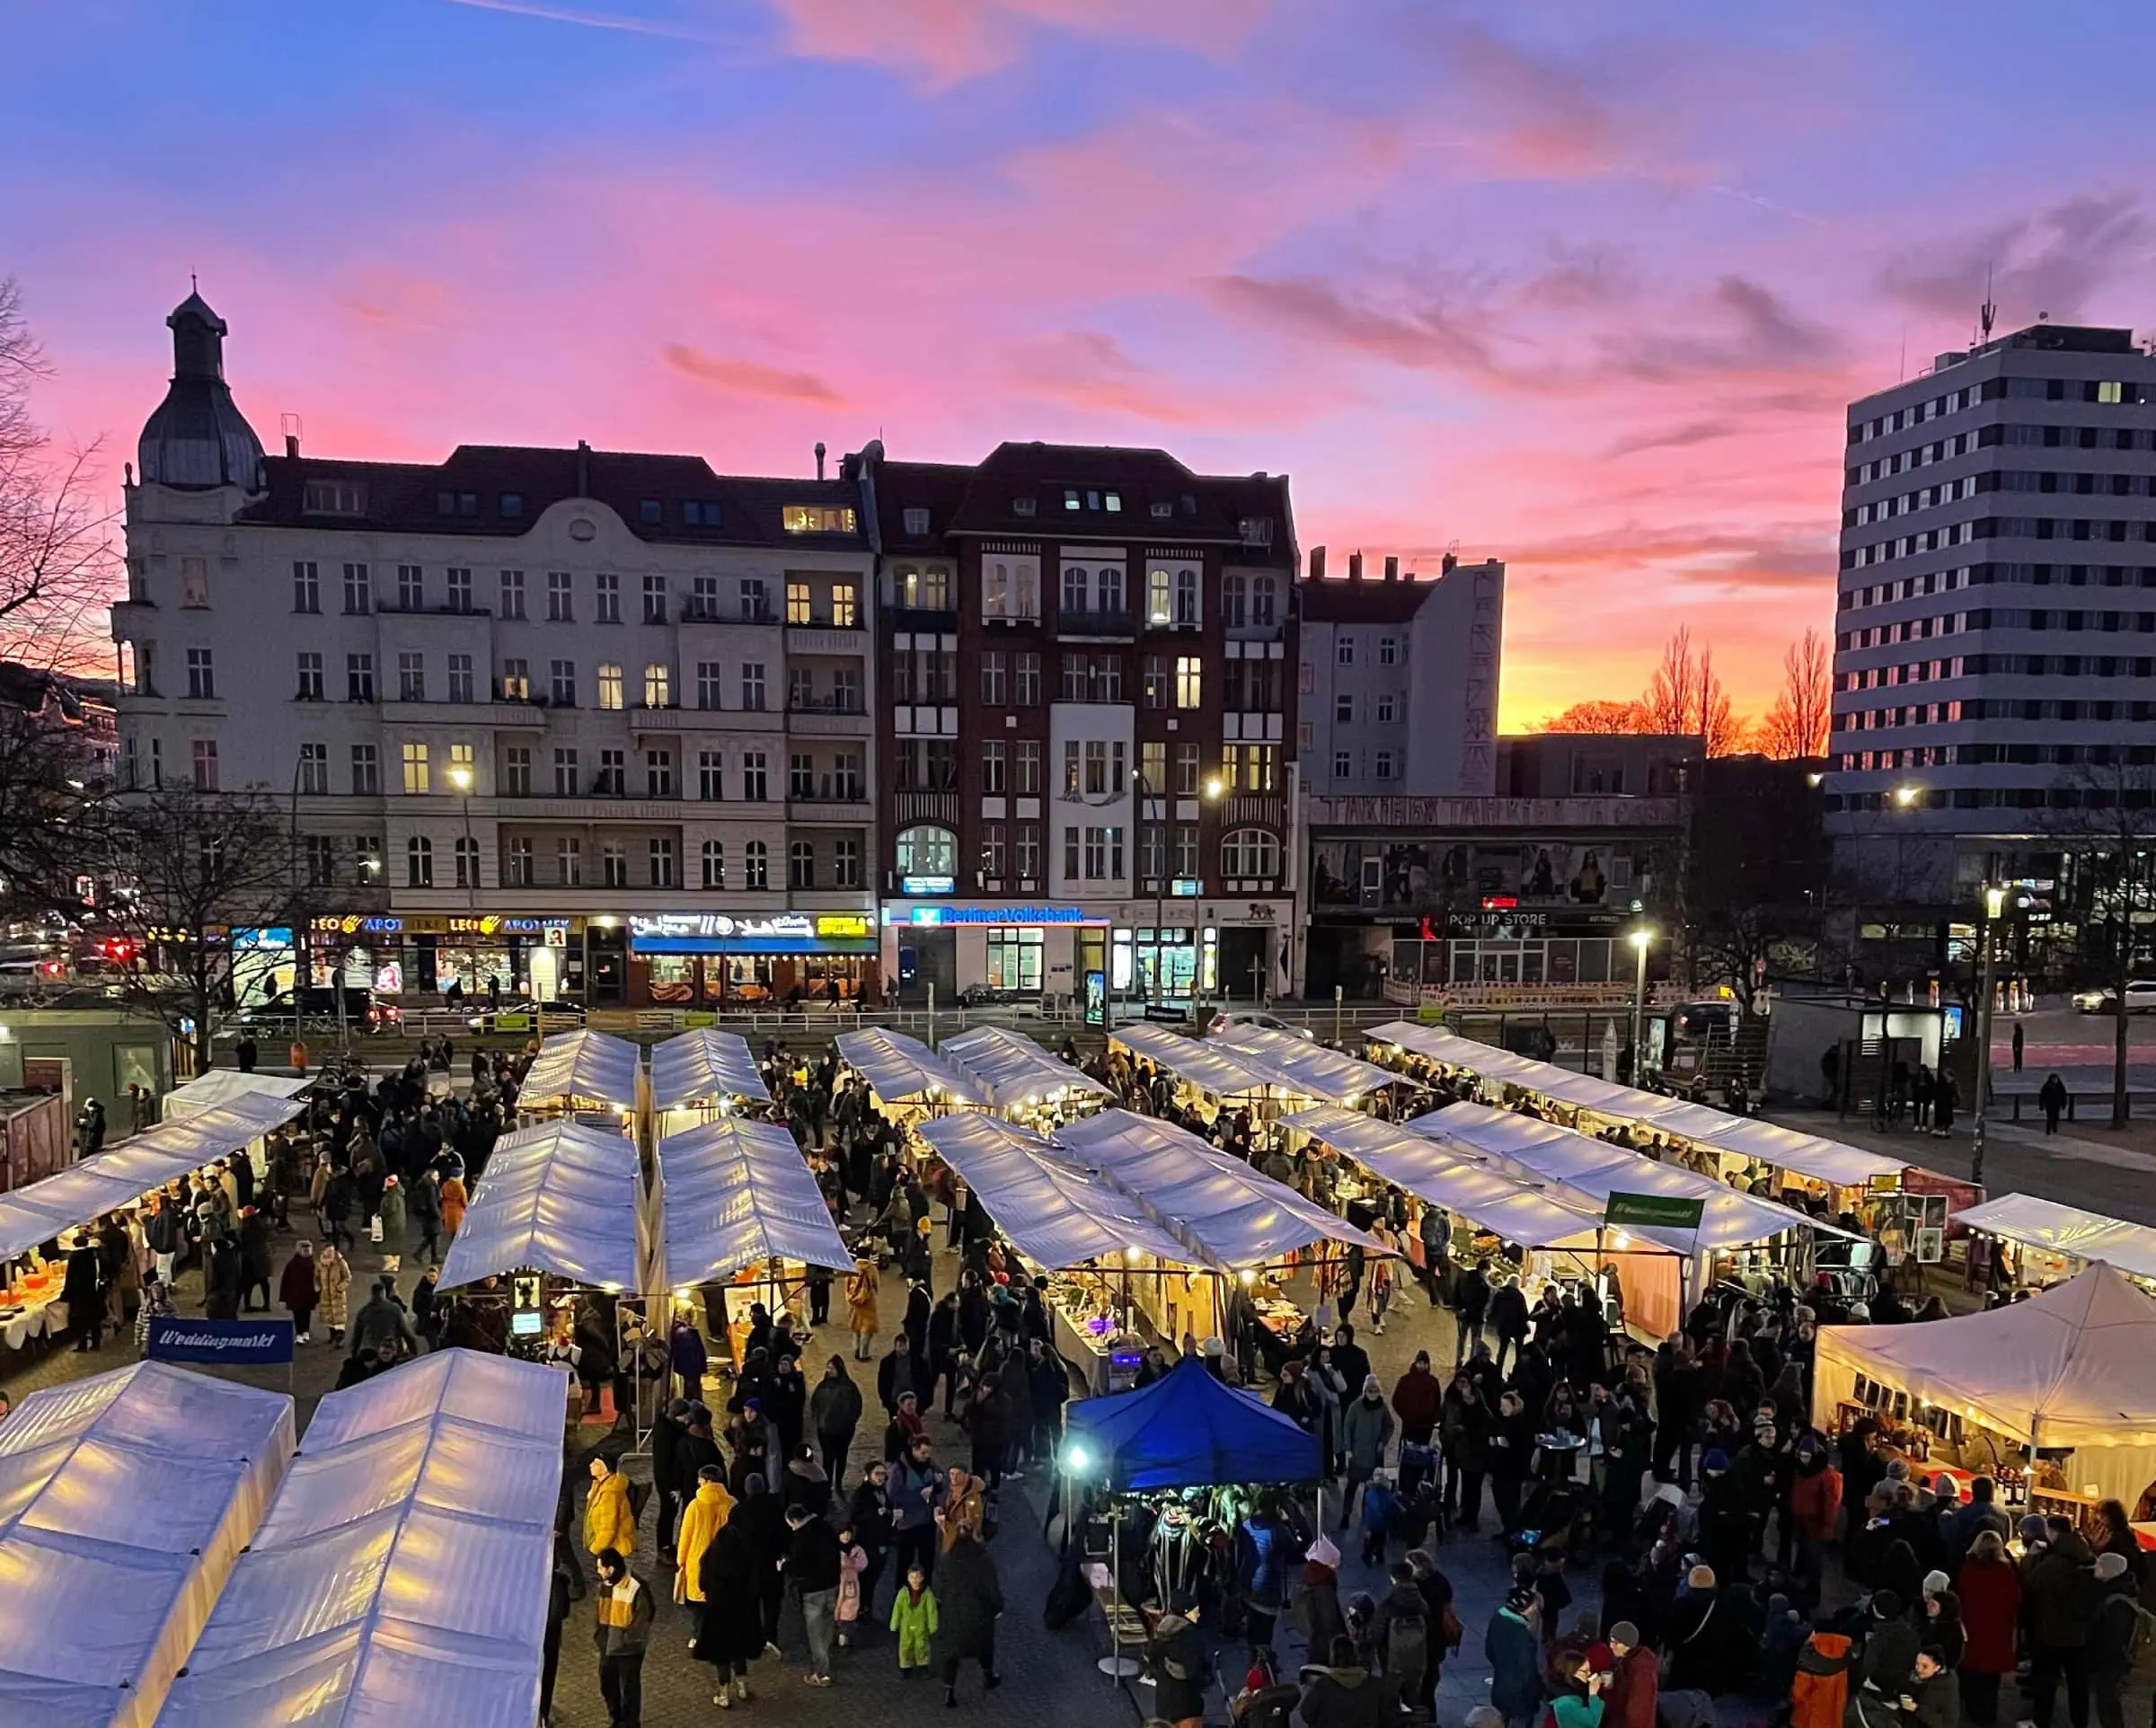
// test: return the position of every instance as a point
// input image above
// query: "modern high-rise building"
(1995, 632)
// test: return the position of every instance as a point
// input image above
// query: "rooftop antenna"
(1987, 314)
(1901, 366)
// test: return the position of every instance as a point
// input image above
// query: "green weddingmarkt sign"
(1641, 1211)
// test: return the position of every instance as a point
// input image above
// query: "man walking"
(622, 1629)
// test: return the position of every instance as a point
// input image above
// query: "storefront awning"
(1531, 1216)
(557, 1197)
(734, 1194)
(900, 1069)
(703, 1067)
(1204, 1064)
(1597, 1169)
(1016, 1073)
(2069, 1231)
(221, 1086)
(124, 1502)
(167, 1153)
(1218, 1206)
(1058, 1217)
(574, 1068)
(403, 1573)
(1309, 1067)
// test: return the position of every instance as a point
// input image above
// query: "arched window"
(1250, 852)
(418, 862)
(714, 863)
(756, 865)
(927, 850)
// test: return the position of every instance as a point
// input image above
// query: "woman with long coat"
(333, 1275)
(861, 1308)
(729, 1634)
(969, 1598)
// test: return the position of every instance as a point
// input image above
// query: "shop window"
(1014, 960)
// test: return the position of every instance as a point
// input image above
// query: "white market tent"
(402, 1572)
(733, 1194)
(1205, 1064)
(1311, 1067)
(1720, 1132)
(582, 1067)
(903, 1070)
(2057, 1228)
(1216, 1205)
(124, 1501)
(701, 1068)
(560, 1197)
(1597, 1168)
(1015, 1072)
(2075, 1367)
(170, 1151)
(221, 1086)
(1533, 1215)
(1057, 1217)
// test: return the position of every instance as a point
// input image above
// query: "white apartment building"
(582, 722)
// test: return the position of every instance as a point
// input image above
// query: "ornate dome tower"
(197, 439)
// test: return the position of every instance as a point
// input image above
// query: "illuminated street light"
(1906, 796)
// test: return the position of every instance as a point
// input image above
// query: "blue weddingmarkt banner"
(226, 1343)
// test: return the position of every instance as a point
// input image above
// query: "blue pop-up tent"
(1185, 1431)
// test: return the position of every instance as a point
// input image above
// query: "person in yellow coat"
(861, 1308)
(609, 1520)
(701, 1520)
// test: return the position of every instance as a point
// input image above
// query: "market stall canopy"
(1185, 1431)
(1204, 1063)
(2066, 1229)
(560, 1197)
(574, 1068)
(1597, 1168)
(124, 1502)
(734, 1194)
(404, 1571)
(1216, 1205)
(1517, 1211)
(1310, 1067)
(1015, 1071)
(2073, 1367)
(1812, 1155)
(900, 1069)
(1435, 1043)
(168, 1152)
(1056, 1216)
(702, 1067)
(223, 1086)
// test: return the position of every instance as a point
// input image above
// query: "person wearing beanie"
(1514, 1647)
(1710, 1645)
(1935, 1581)
(1725, 1517)
(1884, 1671)
(1635, 1684)
(2110, 1654)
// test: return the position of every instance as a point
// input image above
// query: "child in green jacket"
(914, 1619)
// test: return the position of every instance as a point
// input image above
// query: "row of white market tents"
(1718, 1131)
(1265, 1069)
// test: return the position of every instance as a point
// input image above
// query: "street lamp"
(460, 777)
(1639, 938)
(1994, 904)
(1907, 795)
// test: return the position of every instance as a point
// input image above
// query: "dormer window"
(1023, 507)
(650, 513)
(1162, 510)
(916, 520)
(817, 519)
(334, 498)
(457, 504)
(511, 506)
(699, 513)
(1256, 531)
(1088, 497)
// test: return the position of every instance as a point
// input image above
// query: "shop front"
(1011, 947)
(725, 960)
(429, 953)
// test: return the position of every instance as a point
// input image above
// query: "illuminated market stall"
(733, 1209)
(223, 1086)
(2070, 1373)
(1312, 1068)
(125, 1501)
(1093, 1243)
(1210, 1075)
(2051, 1240)
(1023, 1082)
(583, 1074)
(906, 1078)
(403, 1569)
(698, 1075)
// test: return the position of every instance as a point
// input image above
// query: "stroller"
(1553, 1519)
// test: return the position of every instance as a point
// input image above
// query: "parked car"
(1231, 1016)
(315, 1011)
(524, 1015)
(2141, 999)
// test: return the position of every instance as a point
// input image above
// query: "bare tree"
(56, 562)
(1684, 697)
(2110, 829)
(1796, 727)
(192, 868)
(1601, 717)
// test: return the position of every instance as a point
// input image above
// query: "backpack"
(1407, 1644)
(2141, 1636)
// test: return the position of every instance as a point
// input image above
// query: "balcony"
(938, 808)
(829, 717)
(712, 611)
(825, 639)
(706, 720)
(1096, 624)
(850, 813)
(518, 716)
(1255, 810)
(932, 620)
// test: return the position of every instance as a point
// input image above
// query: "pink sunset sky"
(1579, 287)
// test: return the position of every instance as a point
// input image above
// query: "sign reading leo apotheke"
(230, 1343)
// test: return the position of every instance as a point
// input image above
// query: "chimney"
(1448, 564)
(288, 424)
(292, 445)
(1354, 567)
(583, 468)
(819, 459)
(1392, 569)
(1317, 563)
